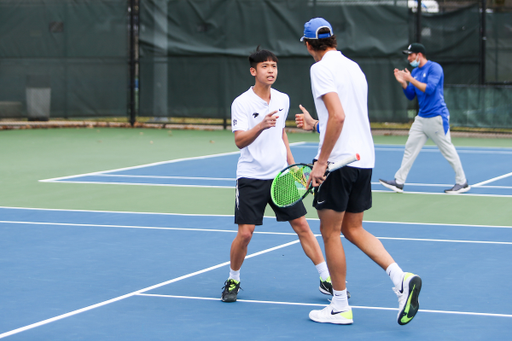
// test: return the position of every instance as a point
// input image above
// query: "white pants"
(421, 130)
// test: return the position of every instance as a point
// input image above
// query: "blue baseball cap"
(312, 27)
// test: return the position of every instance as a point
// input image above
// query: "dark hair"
(322, 44)
(260, 56)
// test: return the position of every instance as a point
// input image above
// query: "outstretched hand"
(304, 120)
(269, 121)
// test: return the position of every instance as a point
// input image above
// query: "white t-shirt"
(337, 73)
(266, 155)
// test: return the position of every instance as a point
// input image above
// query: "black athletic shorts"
(252, 196)
(346, 189)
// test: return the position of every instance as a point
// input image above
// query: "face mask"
(415, 63)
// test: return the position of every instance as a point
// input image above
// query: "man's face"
(411, 57)
(265, 72)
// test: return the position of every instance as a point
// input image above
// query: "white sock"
(234, 274)
(396, 274)
(323, 271)
(339, 300)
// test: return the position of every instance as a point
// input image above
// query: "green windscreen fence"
(498, 51)
(479, 106)
(194, 54)
(71, 58)
(63, 58)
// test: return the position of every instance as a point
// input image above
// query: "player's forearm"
(245, 138)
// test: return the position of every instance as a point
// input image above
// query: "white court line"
(140, 166)
(323, 305)
(480, 185)
(116, 212)
(467, 194)
(434, 224)
(167, 177)
(142, 227)
(232, 187)
(495, 187)
(492, 180)
(301, 144)
(257, 232)
(418, 184)
(152, 164)
(445, 240)
(460, 151)
(134, 184)
(234, 179)
(138, 292)
(230, 216)
(433, 149)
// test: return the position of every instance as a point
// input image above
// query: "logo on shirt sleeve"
(255, 114)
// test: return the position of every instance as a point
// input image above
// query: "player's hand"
(304, 120)
(400, 77)
(269, 121)
(407, 75)
(317, 175)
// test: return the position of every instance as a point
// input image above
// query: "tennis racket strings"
(289, 186)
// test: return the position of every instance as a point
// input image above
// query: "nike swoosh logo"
(320, 202)
(281, 109)
(346, 314)
(406, 318)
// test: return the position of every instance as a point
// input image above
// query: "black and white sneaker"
(458, 189)
(392, 185)
(230, 290)
(326, 287)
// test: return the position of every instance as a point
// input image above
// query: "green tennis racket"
(290, 185)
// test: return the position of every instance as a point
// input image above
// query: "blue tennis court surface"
(90, 275)
(488, 170)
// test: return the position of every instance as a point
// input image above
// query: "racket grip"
(344, 162)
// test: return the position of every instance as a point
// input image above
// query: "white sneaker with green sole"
(330, 315)
(408, 303)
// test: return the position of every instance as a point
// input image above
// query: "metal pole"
(418, 22)
(134, 60)
(483, 39)
(418, 38)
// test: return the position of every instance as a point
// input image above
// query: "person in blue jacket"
(433, 120)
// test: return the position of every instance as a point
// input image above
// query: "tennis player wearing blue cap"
(258, 120)
(340, 92)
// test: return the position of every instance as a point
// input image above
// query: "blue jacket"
(431, 102)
